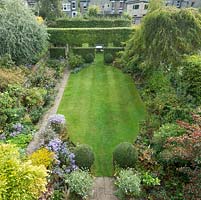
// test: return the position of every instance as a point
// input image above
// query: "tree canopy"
(21, 35)
(164, 36)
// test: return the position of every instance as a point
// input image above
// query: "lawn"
(103, 109)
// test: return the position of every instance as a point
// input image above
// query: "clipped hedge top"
(77, 29)
(92, 36)
(90, 23)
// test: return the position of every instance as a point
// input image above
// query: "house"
(108, 7)
(183, 3)
(84, 4)
(137, 9)
(70, 7)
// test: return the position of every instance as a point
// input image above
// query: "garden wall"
(92, 36)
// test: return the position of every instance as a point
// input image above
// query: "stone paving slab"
(103, 189)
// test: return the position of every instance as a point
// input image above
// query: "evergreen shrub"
(57, 52)
(87, 53)
(84, 156)
(90, 23)
(108, 58)
(125, 155)
(92, 36)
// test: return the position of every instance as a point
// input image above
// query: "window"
(74, 14)
(85, 5)
(112, 5)
(66, 6)
(135, 7)
(73, 5)
(121, 4)
(145, 6)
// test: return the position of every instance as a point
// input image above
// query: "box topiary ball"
(125, 155)
(84, 156)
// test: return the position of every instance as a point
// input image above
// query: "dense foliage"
(163, 38)
(163, 56)
(128, 184)
(49, 10)
(84, 156)
(79, 183)
(21, 35)
(21, 180)
(125, 155)
(90, 23)
(92, 36)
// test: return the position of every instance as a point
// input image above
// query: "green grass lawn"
(103, 109)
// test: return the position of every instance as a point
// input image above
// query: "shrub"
(79, 183)
(108, 58)
(42, 157)
(21, 140)
(89, 58)
(84, 52)
(112, 50)
(75, 61)
(57, 52)
(57, 122)
(149, 180)
(34, 97)
(8, 76)
(125, 155)
(23, 180)
(65, 162)
(163, 38)
(21, 35)
(164, 132)
(128, 184)
(84, 156)
(191, 77)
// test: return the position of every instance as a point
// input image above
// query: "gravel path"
(35, 143)
(103, 189)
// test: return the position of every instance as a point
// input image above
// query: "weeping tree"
(163, 38)
(50, 9)
(21, 35)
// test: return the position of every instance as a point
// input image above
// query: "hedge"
(92, 36)
(84, 52)
(112, 50)
(91, 23)
(57, 52)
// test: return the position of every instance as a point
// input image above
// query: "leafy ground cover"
(103, 109)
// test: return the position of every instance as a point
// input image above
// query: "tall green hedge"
(83, 51)
(92, 36)
(57, 52)
(91, 23)
(112, 50)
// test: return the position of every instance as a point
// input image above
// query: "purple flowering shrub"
(65, 162)
(57, 122)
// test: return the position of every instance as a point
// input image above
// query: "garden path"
(35, 143)
(103, 189)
